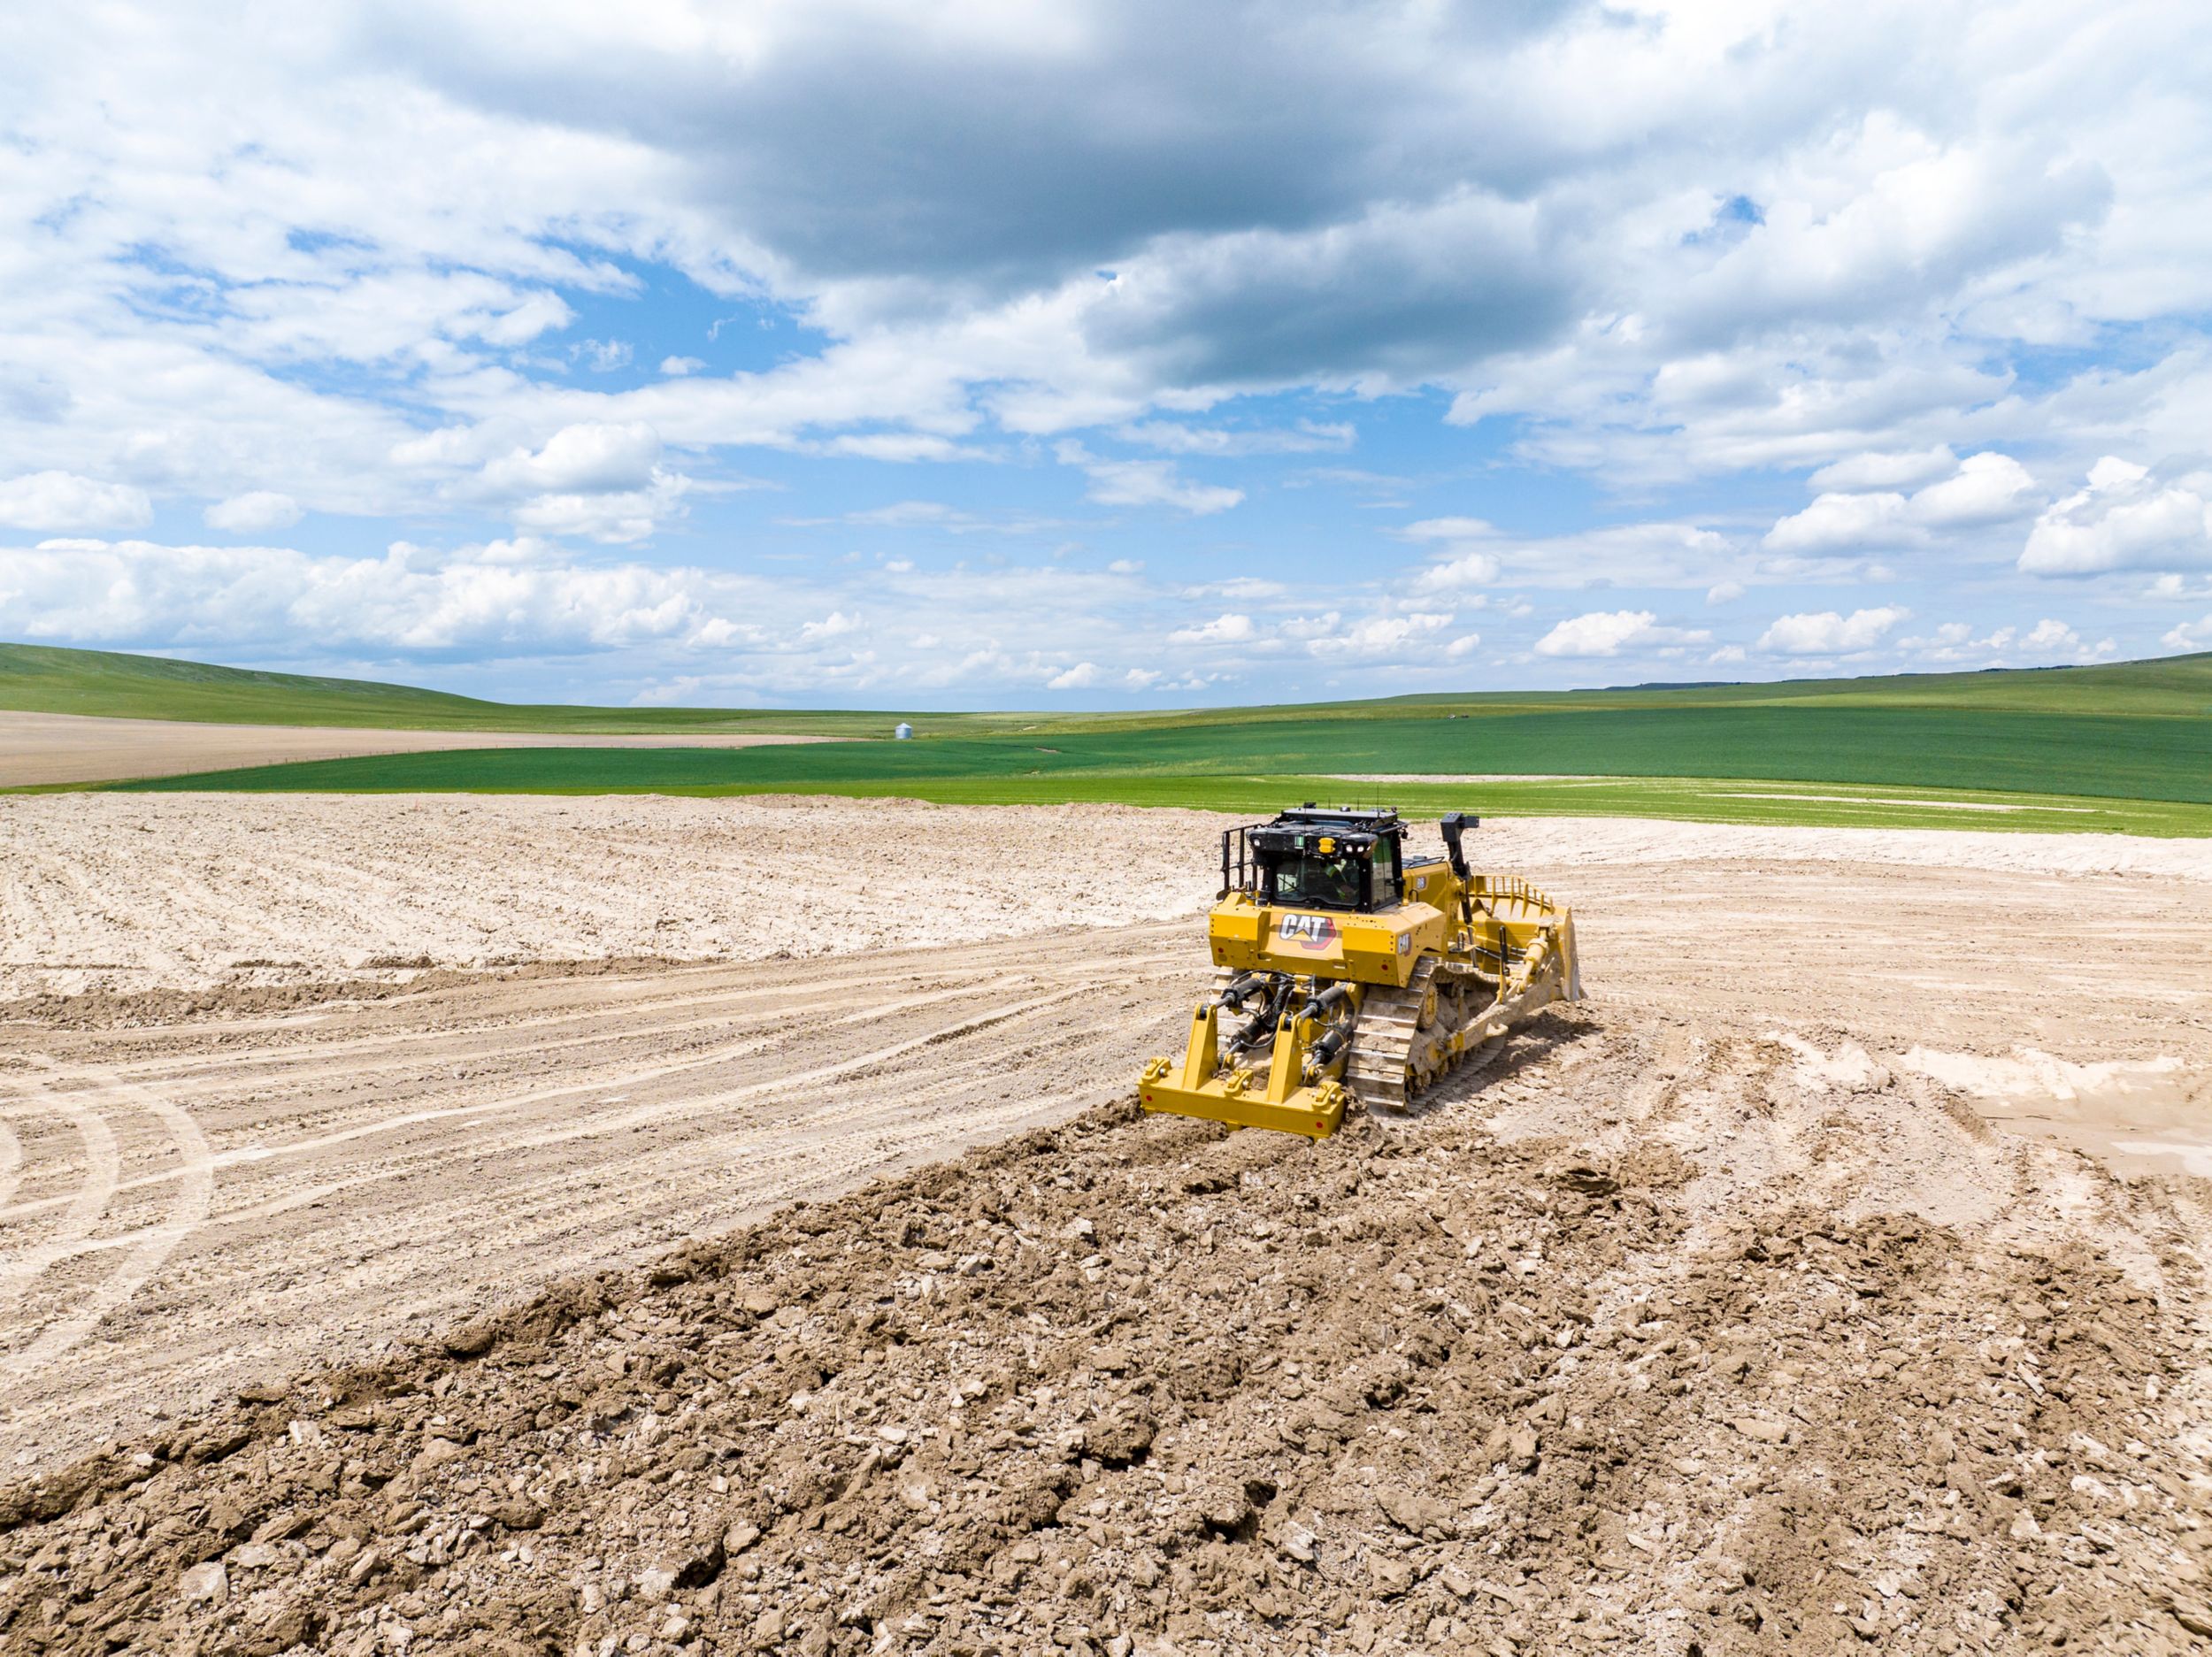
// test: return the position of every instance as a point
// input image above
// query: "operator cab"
(1321, 857)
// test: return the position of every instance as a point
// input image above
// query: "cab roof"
(1343, 818)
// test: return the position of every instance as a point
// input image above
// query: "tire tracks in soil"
(150, 1246)
(333, 1179)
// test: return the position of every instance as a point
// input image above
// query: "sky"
(1105, 354)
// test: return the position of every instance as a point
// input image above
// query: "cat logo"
(1314, 933)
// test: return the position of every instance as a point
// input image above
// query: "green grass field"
(47, 679)
(2126, 747)
(41, 679)
(706, 772)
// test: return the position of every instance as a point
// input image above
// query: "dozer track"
(1380, 1069)
(1408, 1039)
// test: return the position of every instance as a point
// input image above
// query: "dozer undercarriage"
(1349, 975)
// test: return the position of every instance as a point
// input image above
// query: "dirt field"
(1716, 1316)
(129, 893)
(39, 748)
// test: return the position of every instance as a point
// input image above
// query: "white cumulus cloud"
(2050, 642)
(1609, 631)
(1380, 636)
(592, 457)
(2125, 517)
(62, 500)
(1984, 488)
(1988, 488)
(1836, 523)
(408, 600)
(1222, 629)
(1826, 632)
(1467, 569)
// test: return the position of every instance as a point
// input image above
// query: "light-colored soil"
(40, 748)
(134, 891)
(1716, 1314)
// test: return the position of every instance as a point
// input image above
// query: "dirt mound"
(197, 1200)
(1141, 1385)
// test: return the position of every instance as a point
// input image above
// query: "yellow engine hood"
(1370, 949)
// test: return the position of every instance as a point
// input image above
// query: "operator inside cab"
(1330, 879)
(1334, 872)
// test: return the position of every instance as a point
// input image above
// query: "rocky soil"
(1559, 1364)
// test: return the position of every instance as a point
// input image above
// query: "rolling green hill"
(47, 679)
(41, 679)
(2124, 746)
(2104, 756)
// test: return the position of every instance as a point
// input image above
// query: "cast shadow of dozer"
(1557, 1028)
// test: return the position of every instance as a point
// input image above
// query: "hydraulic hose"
(1264, 1026)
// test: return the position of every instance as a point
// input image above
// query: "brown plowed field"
(1716, 1316)
(38, 749)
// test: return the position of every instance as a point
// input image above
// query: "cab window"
(1387, 871)
(1326, 881)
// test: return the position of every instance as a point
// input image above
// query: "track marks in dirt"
(309, 1187)
(150, 1246)
(81, 1209)
(60, 1315)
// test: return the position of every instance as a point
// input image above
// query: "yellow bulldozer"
(1351, 974)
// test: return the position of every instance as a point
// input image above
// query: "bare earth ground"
(1714, 1317)
(40, 748)
(136, 892)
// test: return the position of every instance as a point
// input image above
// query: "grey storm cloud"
(1397, 293)
(1324, 193)
(854, 151)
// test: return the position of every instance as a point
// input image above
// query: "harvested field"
(37, 749)
(1715, 1317)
